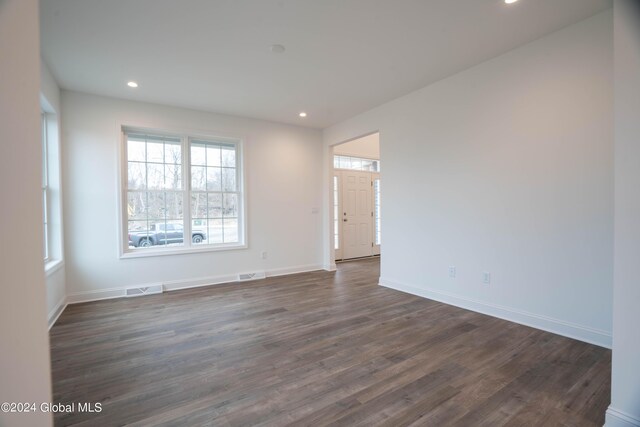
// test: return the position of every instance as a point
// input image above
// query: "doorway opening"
(356, 198)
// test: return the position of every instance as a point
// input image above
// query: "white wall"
(284, 181)
(508, 168)
(625, 393)
(367, 147)
(24, 354)
(54, 270)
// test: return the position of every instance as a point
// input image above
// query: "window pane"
(136, 150)
(215, 231)
(214, 205)
(229, 157)
(173, 206)
(136, 176)
(156, 206)
(198, 154)
(230, 208)
(229, 179)
(155, 176)
(345, 163)
(213, 156)
(172, 154)
(155, 152)
(135, 226)
(214, 179)
(198, 235)
(198, 178)
(336, 217)
(199, 205)
(230, 234)
(356, 163)
(155, 218)
(45, 221)
(137, 205)
(173, 177)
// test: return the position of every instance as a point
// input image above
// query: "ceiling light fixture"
(303, 114)
(132, 84)
(510, 1)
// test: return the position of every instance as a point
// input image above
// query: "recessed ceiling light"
(303, 114)
(277, 48)
(510, 1)
(132, 84)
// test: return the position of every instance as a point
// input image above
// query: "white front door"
(357, 214)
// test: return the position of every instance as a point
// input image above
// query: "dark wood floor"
(318, 349)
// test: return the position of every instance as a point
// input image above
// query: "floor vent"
(145, 290)
(251, 276)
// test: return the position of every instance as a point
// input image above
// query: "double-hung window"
(181, 193)
(45, 190)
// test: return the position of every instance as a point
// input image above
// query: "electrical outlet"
(452, 271)
(486, 277)
(263, 255)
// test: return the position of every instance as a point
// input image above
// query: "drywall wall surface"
(283, 186)
(24, 355)
(506, 168)
(367, 147)
(625, 388)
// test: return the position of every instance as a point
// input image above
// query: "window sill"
(52, 266)
(143, 253)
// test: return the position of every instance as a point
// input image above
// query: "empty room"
(320, 213)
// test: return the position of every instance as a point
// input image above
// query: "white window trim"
(124, 252)
(53, 265)
(46, 198)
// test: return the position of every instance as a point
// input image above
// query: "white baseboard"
(294, 270)
(618, 418)
(556, 326)
(57, 311)
(174, 285)
(330, 267)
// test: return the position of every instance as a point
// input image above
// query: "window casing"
(176, 186)
(45, 190)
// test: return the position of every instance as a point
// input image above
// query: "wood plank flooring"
(318, 349)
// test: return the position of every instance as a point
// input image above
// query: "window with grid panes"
(178, 186)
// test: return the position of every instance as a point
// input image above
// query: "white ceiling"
(342, 57)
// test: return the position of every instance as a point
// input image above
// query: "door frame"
(337, 177)
(329, 256)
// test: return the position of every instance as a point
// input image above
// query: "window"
(376, 210)
(50, 186)
(179, 186)
(356, 163)
(45, 189)
(214, 191)
(336, 216)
